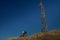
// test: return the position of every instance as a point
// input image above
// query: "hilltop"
(51, 35)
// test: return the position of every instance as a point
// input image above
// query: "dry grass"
(51, 35)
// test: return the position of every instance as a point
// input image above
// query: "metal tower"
(43, 18)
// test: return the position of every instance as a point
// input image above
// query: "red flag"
(40, 3)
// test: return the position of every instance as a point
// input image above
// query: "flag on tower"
(41, 4)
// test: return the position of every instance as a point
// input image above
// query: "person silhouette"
(23, 34)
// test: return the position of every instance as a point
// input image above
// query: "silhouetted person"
(23, 34)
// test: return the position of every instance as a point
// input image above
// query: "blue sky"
(19, 15)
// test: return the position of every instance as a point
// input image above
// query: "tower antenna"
(44, 27)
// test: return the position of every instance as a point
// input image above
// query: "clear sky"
(19, 15)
